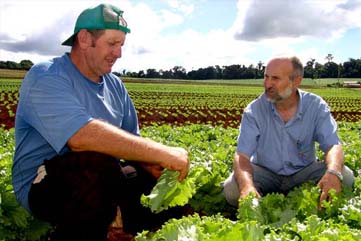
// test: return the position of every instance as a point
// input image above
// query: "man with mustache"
(276, 143)
(74, 122)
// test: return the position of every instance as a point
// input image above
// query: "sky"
(191, 33)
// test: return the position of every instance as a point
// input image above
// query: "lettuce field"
(180, 104)
(204, 119)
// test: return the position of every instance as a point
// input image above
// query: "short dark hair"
(95, 33)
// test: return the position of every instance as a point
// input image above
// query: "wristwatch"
(336, 173)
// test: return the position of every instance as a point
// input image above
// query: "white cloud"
(18, 56)
(152, 43)
(40, 22)
(286, 18)
(149, 47)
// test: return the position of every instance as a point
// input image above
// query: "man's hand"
(328, 181)
(245, 191)
(178, 161)
(153, 169)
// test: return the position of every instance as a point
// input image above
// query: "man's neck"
(79, 61)
(288, 108)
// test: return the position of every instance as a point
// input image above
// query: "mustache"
(269, 89)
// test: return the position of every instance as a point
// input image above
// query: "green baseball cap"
(104, 16)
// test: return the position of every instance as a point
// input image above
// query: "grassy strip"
(6, 74)
(12, 74)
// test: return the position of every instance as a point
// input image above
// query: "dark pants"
(80, 194)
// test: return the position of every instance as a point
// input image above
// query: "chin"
(107, 70)
(271, 100)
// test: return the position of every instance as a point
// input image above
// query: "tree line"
(312, 69)
(23, 65)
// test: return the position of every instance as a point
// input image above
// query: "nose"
(117, 52)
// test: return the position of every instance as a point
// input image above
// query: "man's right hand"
(178, 161)
(245, 191)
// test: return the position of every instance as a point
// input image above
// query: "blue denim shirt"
(286, 148)
(56, 100)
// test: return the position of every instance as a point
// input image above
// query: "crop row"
(159, 104)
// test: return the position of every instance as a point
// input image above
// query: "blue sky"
(204, 16)
(190, 33)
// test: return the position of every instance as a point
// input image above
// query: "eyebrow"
(272, 76)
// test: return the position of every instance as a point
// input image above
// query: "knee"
(231, 190)
(348, 176)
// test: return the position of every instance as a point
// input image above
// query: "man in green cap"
(74, 122)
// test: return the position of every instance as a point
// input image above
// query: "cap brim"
(69, 41)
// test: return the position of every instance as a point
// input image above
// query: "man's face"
(277, 83)
(104, 51)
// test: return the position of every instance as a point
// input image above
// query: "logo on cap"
(104, 16)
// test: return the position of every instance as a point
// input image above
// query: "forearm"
(334, 161)
(334, 158)
(243, 171)
(102, 137)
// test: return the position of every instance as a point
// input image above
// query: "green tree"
(352, 68)
(329, 57)
(152, 73)
(219, 72)
(232, 71)
(141, 74)
(179, 72)
(260, 70)
(309, 69)
(12, 65)
(330, 70)
(318, 72)
(26, 64)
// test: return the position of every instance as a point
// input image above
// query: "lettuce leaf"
(169, 192)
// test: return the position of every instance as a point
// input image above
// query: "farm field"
(204, 119)
(276, 217)
(179, 104)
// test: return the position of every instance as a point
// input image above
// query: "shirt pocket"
(305, 150)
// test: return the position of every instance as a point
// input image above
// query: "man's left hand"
(155, 170)
(328, 182)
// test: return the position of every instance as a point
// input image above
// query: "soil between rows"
(217, 117)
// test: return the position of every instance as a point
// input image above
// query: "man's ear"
(84, 39)
(297, 81)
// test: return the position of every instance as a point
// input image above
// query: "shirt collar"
(299, 113)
